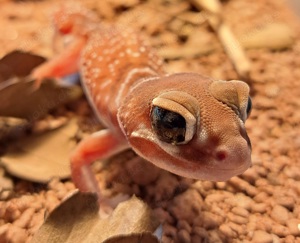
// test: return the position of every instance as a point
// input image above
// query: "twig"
(230, 43)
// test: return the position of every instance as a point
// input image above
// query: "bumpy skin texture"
(122, 76)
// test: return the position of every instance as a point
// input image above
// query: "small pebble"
(15, 234)
(259, 208)
(187, 205)
(280, 230)
(240, 211)
(184, 236)
(227, 230)
(136, 168)
(196, 239)
(208, 220)
(200, 232)
(294, 226)
(280, 214)
(287, 202)
(240, 200)
(237, 219)
(182, 224)
(25, 218)
(260, 236)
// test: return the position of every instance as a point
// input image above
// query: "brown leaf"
(18, 64)
(17, 95)
(17, 98)
(43, 156)
(77, 220)
(11, 127)
(134, 238)
(6, 183)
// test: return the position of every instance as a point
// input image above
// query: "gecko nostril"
(221, 155)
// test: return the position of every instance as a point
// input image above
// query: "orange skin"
(121, 75)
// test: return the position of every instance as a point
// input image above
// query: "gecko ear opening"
(174, 117)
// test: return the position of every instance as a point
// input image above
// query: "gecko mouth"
(220, 165)
(212, 173)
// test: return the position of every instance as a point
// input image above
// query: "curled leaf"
(77, 220)
(18, 64)
(42, 156)
(18, 98)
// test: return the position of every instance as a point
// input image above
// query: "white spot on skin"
(142, 49)
(96, 72)
(150, 54)
(111, 68)
(106, 98)
(88, 63)
(160, 62)
(135, 54)
(105, 83)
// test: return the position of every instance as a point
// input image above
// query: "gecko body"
(185, 123)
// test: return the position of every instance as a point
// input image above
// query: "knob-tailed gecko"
(185, 123)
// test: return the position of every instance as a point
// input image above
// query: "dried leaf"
(17, 96)
(11, 127)
(134, 238)
(43, 156)
(77, 220)
(18, 64)
(6, 183)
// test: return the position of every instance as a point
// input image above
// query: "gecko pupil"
(169, 126)
(249, 106)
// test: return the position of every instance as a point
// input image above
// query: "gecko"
(185, 123)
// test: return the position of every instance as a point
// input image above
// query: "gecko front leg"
(63, 64)
(99, 145)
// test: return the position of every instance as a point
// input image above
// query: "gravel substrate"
(262, 205)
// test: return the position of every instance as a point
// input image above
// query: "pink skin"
(121, 76)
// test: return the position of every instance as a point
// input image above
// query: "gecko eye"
(171, 121)
(169, 126)
(249, 106)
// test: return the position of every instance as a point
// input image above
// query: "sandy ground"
(262, 205)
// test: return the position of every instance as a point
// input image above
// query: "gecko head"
(190, 125)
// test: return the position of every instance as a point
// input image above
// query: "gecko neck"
(119, 89)
(134, 77)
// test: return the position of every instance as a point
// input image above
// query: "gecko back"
(114, 61)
